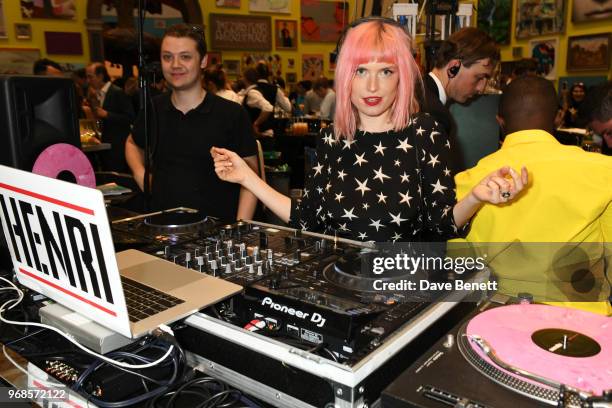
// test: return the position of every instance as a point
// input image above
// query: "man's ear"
(204, 62)
(501, 122)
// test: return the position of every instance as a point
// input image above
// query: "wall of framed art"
(578, 18)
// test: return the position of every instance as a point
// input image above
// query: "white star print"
(396, 236)
(381, 197)
(328, 139)
(362, 235)
(446, 171)
(434, 204)
(339, 159)
(405, 177)
(328, 186)
(319, 190)
(347, 144)
(319, 209)
(405, 198)
(318, 168)
(342, 227)
(438, 188)
(420, 131)
(306, 193)
(432, 134)
(433, 160)
(339, 197)
(303, 225)
(447, 144)
(329, 215)
(362, 186)
(397, 218)
(329, 169)
(380, 149)
(349, 214)
(380, 175)
(403, 145)
(341, 174)
(360, 160)
(365, 206)
(376, 224)
(397, 163)
(446, 210)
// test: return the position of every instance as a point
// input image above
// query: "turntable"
(527, 355)
(167, 227)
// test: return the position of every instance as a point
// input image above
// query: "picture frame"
(61, 9)
(291, 77)
(214, 58)
(228, 3)
(590, 10)
(495, 18)
(3, 29)
(588, 52)
(312, 66)
(232, 67)
(546, 53)
(290, 63)
(285, 34)
(18, 60)
(323, 21)
(270, 6)
(23, 31)
(536, 18)
(240, 32)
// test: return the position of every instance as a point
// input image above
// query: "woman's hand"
(229, 166)
(501, 186)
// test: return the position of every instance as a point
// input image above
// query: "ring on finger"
(506, 194)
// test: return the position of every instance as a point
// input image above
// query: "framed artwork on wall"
(3, 33)
(591, 10)
(285, 32)
(214, 58)
(240, 32)
(23, 31)
(588, 52)
(270, 6)
(291, 77)
(539, 17)
(228, 3)
(546, 53)
(60, 9)
(323, 21)
(232, 67)
(312, 66)
(59, 42)
(18, 60)
(495, 18)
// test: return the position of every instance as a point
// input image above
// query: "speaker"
(35, 112)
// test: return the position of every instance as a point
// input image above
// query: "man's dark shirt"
(430, 103)
(183, 169)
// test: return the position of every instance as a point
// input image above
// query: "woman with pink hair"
(381, 172)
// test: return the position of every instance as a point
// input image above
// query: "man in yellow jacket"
(554, 240)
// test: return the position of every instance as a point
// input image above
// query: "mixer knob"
(242, 247)
(223, 260)
(200, 261)
(187, 259)
(259, 270)
(297, 255)
(213, 267)
(317, 246)
(249, 260)
(251, 269)
(228, 269)
(166, 252)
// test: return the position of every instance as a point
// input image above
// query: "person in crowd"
(188, 122)
(328, 97)
(596, 111)
(312, 102)
(575, 97)
(462, 67)
(298, 97)
(259, 107)
(523, 67)
(568, 200)
(381, 172)
(216, 83)
(273, 94)
(45, 66)
(114, 109)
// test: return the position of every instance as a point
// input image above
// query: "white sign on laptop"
(60, 242)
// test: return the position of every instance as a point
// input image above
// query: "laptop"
(59, 239)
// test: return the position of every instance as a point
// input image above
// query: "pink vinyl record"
(511, 330)
(65, 157)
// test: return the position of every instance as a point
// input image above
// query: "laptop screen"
(61, 246)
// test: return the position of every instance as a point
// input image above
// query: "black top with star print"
(373, 189)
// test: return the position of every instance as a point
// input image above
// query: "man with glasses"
(185, 123)
(596, 109)
(462, 67)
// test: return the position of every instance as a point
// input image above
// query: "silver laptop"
(60, 242)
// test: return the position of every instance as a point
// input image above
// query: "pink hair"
(375, 41)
